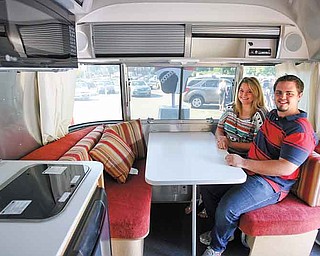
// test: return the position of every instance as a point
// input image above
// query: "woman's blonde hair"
(255, 87)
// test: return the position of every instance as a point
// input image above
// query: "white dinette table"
(188, 158)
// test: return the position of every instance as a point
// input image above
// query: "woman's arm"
(242, 146)
(222, 140)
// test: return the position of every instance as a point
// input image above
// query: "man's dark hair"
(290, 78)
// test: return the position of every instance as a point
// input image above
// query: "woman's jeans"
(226, 203)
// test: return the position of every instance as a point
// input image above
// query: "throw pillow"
(80, 151)
(115, 155)
(131, 132)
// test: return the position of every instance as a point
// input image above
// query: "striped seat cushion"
(115, 155)
(307, 188)
(131, 133)
(80, 151)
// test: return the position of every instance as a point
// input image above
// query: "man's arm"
(279, 167)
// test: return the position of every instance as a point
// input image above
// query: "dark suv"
(205, 90)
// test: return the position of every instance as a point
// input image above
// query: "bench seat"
(290, 226)
(129, 212)
(128, 204)
(290, 216)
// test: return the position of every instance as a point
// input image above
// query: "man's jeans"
(227, 202)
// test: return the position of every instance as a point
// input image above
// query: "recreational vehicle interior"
(83, 80)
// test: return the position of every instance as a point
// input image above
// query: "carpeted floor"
(170, 233)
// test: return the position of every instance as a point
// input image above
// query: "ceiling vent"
(138, 40)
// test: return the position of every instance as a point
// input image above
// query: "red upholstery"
(129, 204)
(56, 149)
(290, 216)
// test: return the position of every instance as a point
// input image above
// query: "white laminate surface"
(47, 237)
(187, 158)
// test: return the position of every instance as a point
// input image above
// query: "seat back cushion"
(307, 188)
(54, 150)
(115, 155)
(131, 133)
(80, 151)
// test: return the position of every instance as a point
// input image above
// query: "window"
(154, 92)
(200, 95)
(97, 94)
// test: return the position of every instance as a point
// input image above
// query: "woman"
(241, 121)
(235, 132)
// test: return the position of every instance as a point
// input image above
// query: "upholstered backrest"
(80, 151)
(307, 188)
(55, 150)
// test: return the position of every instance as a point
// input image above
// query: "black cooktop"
(41, 191)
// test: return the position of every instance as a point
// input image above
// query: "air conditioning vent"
(50, 40)
(139, 40)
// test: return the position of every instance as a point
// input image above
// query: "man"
(283, 143)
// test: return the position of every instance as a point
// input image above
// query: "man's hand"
(222, 142)
(277, 167)
(234, 160)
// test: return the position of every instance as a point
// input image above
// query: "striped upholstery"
(80, 151)
(131, 132)
(114, 153)
(307, 188)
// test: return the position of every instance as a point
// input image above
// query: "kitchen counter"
(49, 236)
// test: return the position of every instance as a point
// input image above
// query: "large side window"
(179, 93)
(97, 94)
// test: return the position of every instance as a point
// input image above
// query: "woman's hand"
(222, 142)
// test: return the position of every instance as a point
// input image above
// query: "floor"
(170, 234)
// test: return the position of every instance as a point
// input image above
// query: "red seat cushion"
(288, 217)
(129, 205)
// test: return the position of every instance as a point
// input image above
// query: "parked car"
(107, 87)
(140, 88)
(82, 91)
(201, 91)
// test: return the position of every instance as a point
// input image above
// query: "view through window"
(204, 91)
(157, 91)
(97, 94)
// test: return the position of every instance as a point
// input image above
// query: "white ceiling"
(304, 14)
